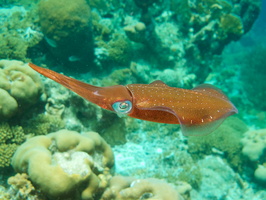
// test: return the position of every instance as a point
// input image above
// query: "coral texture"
(124, 188)
(254, 144)
(18, 31)
(69, 36)
(254, 148)
(66, 164)
(43, 124)
(20, 185)
(20, 87)
(10, 138)
(225, 141)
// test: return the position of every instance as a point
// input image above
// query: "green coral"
(100, 31)
(225, 141)
(6, 151)
(119, 50)
(16, 2)
(10, 138)
(231, 26)
(4, 194)
(18, 33)
(43, 124)
(12, 47)
(68, 17)
(69, 36)
(119, 77)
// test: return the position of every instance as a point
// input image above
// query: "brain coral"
(20, 87)
(66, 163)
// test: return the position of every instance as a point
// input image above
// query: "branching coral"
(21, 187)
(10, 138)
(43, 124)
(66, 164)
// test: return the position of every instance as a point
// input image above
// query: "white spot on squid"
(96, 93)
(191, 122)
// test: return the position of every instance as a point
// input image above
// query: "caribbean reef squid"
(198, 111)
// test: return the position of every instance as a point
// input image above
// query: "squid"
(199, 111)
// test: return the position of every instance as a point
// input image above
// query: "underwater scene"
(132, 100)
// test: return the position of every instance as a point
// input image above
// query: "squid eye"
(122, 107)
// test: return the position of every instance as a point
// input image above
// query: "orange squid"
(198, 111)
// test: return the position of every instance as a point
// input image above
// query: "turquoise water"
(157, 142)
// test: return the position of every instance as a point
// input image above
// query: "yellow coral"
(231, 25)
(124, 188)
(66, 163)
(20, 87)
(10, 137)
(21, 185)
(6, 152)
(43, 124)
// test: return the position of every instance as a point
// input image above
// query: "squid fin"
(158, 83)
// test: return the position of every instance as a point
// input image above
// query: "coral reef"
(20, 88)
(18, 32)
(42, 124)
(136, 32)
(10, 138)
(21, 187)
(184, 35)
(254, 148)
(69, 36)
(124, 188)
(134, 41)
(225, 141)
(4, 195)
(118, 52)
(254, 144)
(66, 164)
